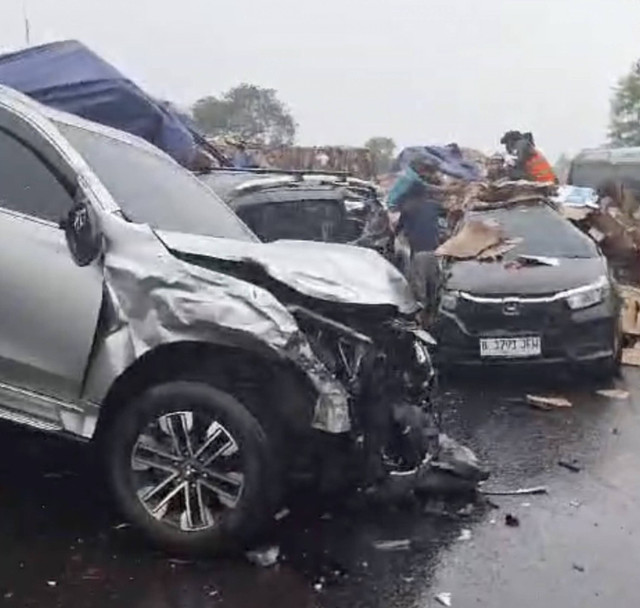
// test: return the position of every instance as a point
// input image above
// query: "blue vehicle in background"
(68, 76)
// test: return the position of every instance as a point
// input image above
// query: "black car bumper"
(566, 336)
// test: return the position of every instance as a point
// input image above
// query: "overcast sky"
(420, 71)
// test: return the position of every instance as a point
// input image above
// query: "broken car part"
(517, 492)
(209, 367)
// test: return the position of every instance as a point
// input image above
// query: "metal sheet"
(332, 272)
(158, 299)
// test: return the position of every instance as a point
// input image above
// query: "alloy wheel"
(187, 469)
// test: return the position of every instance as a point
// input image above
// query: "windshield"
(151, 189)
(543, 231)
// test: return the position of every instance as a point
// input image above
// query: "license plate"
(527, 346)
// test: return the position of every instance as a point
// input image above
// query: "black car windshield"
(154, 190)
(544, 232)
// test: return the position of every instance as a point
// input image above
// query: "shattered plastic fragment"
(465, 534)
(444, 599)
(518, 492)
(264, 557)
(281, 514)
(392, 545)
(614, 393)
(459, 460)
(548, 403)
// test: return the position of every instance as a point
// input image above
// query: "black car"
(550, 299)
(307, 206)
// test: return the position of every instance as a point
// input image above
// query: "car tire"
(209, 451)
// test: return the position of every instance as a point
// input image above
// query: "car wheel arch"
(275, 391)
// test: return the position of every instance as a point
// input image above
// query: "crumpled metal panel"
(158, 299)
(327, 271)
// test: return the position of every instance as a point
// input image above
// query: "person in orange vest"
(530, 164)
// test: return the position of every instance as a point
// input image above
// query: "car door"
(49, 306)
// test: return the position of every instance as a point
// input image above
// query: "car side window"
(27, 185)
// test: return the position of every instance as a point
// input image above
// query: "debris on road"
(570, 465)
(264, 557)
(511, 520)
(575, 504)
(630, 314)
(614, 393)
(93, 574)
(280, 515)
(467, 510)
(578, 568)
(465, 534)
(518, 492)
(52, 583)
(631, 356)
(444, 599)
(490, 503)
(57, 474)
(393, 545)
(122, 526)
(548, 403)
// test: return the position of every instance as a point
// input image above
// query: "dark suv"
(313, 206)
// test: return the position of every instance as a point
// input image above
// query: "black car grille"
(483, 317)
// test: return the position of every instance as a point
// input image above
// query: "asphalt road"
(579, 546)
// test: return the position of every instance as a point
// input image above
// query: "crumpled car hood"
(327, 271)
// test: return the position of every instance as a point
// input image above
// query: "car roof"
(287, 194)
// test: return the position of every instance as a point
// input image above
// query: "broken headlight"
(449, 300)
(589, 295)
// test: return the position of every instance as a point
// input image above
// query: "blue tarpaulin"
(447, 159)
(70, 77)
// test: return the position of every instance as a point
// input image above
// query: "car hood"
(327, 271)
(496, 278)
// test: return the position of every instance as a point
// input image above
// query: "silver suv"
(137, 311)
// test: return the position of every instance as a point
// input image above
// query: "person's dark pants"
(424, 278)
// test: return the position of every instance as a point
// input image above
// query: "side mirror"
(81, 231)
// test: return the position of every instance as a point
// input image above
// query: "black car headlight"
(589, 295)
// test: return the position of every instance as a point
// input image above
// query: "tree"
(624, 128)
(381, 149)
(249, 112)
